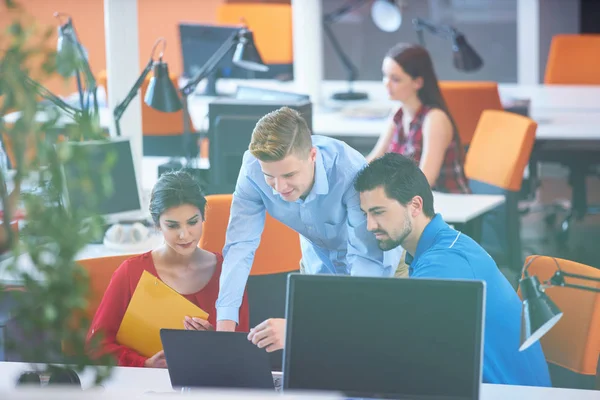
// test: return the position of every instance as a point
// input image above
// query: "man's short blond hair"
(280, 133)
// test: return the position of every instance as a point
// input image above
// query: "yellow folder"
(153, 306)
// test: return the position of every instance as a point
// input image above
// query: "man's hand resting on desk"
(269, 334)
(156, 361)
(197, 324)
(226, 325)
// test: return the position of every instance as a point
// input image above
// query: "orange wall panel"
(156, 18)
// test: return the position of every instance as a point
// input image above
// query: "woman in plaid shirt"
(422, 128)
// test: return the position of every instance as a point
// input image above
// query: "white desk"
(562, 112)
(145, 380)
(463, 208)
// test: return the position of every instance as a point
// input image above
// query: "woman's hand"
(197, 324)
(156, 361)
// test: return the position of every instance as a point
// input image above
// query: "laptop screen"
(391, 338)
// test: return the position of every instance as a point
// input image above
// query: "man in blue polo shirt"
(398, 203)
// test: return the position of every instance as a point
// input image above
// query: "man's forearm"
(226, 325)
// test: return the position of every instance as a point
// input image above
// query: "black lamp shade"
(465, 57)
(540, 313)
(246, 54)
(67, 56)
(161, 94)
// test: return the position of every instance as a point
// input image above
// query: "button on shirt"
(445, 253)
(333, 232)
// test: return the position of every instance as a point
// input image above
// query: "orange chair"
(100, 271)
(277, 255)
(466, 101)
(279, 249)
(271, 25)
(572, 346)
(573, 60)
(494, 164)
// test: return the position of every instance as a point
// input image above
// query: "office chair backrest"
(270, 23)
(574, 342)
(466, 101)
(279, 249)
(154, 122)
(500, 149)
(100, 271)
(573, 60)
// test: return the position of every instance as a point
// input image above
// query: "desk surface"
(462, 208)
(145, 380)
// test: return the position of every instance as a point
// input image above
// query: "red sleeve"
(110, 314)
(244, 321)
(244, 312)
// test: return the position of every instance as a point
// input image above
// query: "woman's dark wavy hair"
(174, 189)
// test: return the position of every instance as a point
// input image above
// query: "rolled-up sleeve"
(246, 223)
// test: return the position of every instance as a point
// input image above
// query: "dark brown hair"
(416, 62)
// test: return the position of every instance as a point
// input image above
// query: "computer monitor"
(231, 122)
(384, 337)
(198, 44)
(125, 200)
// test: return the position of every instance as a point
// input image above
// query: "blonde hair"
(280, 133)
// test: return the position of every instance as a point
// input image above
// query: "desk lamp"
(540, 313)
(465, 57)
(386, 16)
(246, 56)
(72, 60)
(160, 95)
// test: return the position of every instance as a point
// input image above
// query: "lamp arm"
(90, 81)
(122, 106)
(578, 276)
(443, 30)
(343, 10)
(581, 287)
(210, 65)
(352, 71)
(57, 101)
(558, 279)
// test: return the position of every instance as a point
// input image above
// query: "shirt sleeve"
(108, 319)
(364, 256)
(246, 224)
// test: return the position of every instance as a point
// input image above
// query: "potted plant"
(53, 292)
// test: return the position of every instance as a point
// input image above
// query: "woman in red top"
(177, 209)
(422, 128)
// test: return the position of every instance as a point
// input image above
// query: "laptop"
(210, 359)
(384, 337)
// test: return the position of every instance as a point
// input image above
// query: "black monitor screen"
(384, 338)
(124, 197)
(200, 42)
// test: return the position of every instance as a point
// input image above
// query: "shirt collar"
(400, 113)
(427, 237)
(321, 184)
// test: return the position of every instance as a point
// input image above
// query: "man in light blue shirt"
(306, 182)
